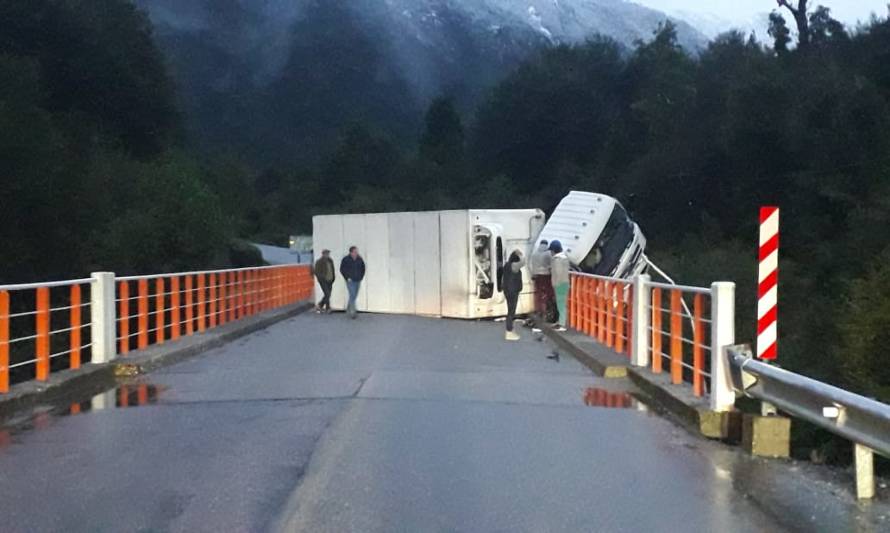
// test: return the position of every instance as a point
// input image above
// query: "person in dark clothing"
(325, 274)
(512, 285)
(352, 268)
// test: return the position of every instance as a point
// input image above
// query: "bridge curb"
(92, 379)
(679, 401)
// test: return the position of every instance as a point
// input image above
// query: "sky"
(749, 14)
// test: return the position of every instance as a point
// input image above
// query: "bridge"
(214, 401)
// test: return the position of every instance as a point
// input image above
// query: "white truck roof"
(578, 221)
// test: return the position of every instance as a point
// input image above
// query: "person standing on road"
(512, 285)
(325, 274)
(540, 267)
(352, 268)
(559, 277)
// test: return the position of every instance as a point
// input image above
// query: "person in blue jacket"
(352, 268)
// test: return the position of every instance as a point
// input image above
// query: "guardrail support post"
(865, 472)
(641, 314)
(103, 318)
(722, 336)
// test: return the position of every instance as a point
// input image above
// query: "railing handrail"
(682, 288)
(47, 284)
(857, 418)
(196, 272)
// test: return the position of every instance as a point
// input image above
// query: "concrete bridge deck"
(385, 423)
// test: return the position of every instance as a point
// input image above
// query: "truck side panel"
(456, 269)
(377, 256)
(327, 232)
(401, 266)
(354, 235)
(427, 296)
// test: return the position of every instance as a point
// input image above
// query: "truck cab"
(597, 235)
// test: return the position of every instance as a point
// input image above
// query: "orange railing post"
(222, 298)
(656, 330)
(202, 310)
(698, 359)
(74, 356)
(676, 338)
(590, 289)
(573, 303)
(143, 314)
(601, 311)
(175, 315)
(620, 320)
(159, 310)
(4, 341)
(239, 287)
(595, 308)
(189, 306)
(124, 312)
(629, 314)
(212, 312)
(610, 314)
(232, 292)
(42, 324)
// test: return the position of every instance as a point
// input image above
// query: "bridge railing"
(46, 327)
(673, 328)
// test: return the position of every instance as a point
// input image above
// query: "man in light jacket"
(540, 270)
(559, 277)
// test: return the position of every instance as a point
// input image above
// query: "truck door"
(488, 252)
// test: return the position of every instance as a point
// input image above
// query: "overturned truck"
(446, 263)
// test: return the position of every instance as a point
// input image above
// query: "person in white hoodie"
(559, 277)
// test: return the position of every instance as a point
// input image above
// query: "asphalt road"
(379, 424)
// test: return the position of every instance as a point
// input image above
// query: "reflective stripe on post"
(676, 338)
(74, 356)
(42, 324)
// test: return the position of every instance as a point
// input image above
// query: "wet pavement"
(385, 423)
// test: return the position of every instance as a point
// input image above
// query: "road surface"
(379, 424)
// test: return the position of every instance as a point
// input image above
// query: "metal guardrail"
(854, 417)
(861, 420)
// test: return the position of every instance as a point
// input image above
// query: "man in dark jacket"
(325, 274)
(352, 268)
(512, 285)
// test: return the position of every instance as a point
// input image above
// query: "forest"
(99, 171)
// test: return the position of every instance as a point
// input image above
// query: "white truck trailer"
(435, 263)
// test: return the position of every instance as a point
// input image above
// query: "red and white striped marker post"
(768, 284)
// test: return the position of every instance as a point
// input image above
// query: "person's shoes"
(536, 330)
(511, 336)
(560, 328)
(554, 356)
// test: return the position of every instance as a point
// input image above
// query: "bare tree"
(800, 18)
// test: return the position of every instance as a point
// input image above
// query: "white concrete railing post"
(641, 316)
(103, 317)
(722, 335)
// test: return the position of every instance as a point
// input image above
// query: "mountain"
(276, 80)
